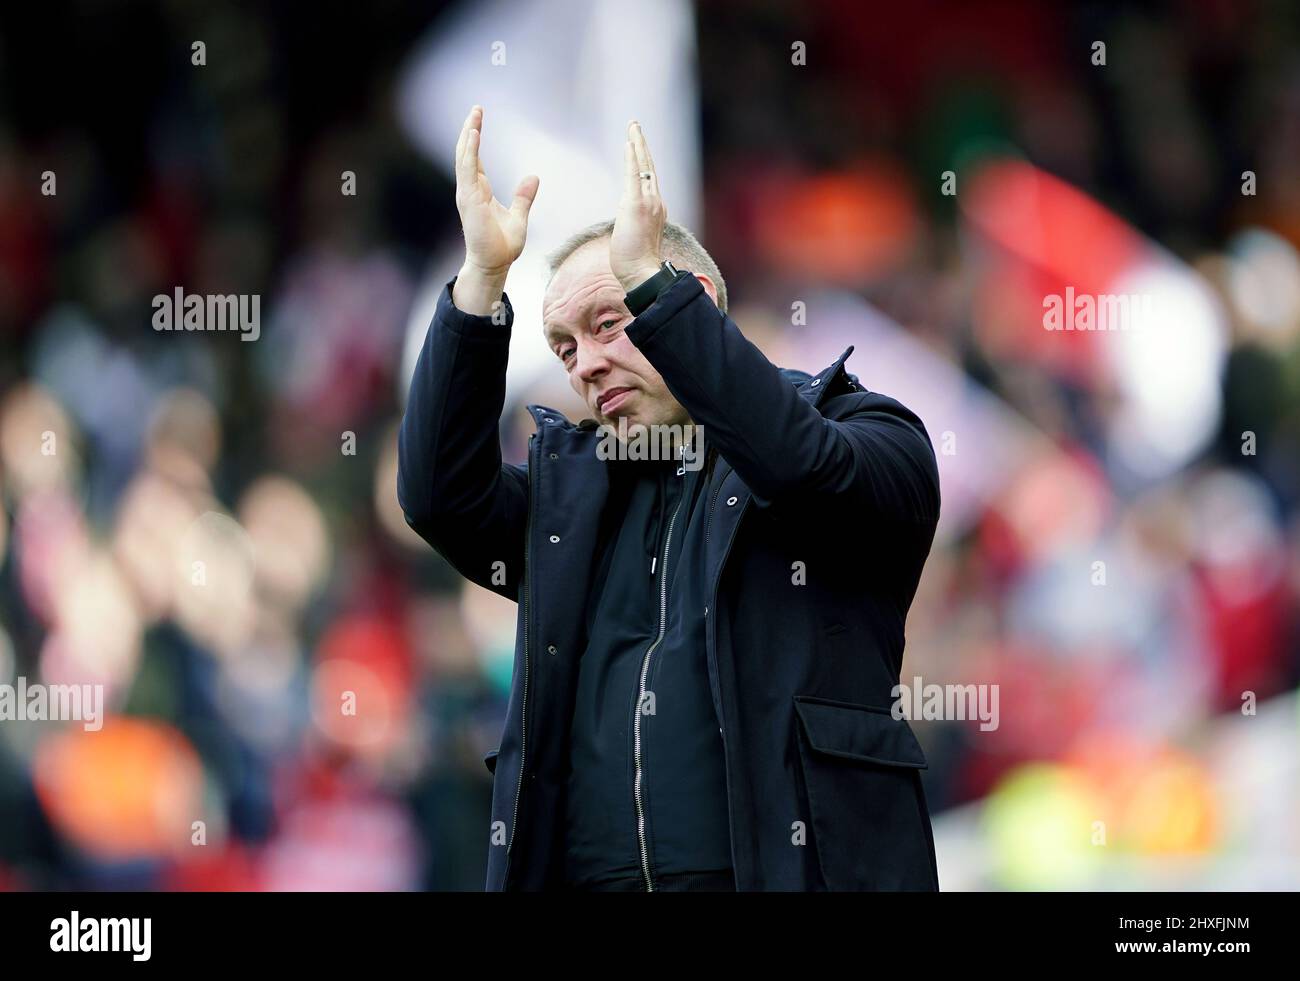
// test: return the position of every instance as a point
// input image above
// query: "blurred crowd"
(209, 528)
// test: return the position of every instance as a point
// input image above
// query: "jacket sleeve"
(876, 461)
(451, 483)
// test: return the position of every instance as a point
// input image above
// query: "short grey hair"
(683, 248)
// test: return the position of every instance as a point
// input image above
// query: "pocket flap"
(859, 732)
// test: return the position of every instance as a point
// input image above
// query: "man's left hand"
(635, 244)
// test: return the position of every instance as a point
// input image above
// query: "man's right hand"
(494, 234)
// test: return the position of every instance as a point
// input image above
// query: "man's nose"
(591, 362)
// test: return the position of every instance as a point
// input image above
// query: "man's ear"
(709, 287)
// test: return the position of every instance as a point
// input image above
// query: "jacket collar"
(815, 387)
(544, 415)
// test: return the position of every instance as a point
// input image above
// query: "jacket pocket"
(861, 770)
(490, 761)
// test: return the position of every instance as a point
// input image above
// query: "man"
(705, 647)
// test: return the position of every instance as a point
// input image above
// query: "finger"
(645, 151)
(461, 140)
(467, 171)
(478, 140)
(631, 179)
(648, 180)
(472, 165)
(525, 195)
(638, 146)
(467, 157)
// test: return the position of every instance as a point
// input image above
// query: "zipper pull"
(653, 559)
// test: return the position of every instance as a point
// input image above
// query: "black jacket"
(647, 793)
(823, 503)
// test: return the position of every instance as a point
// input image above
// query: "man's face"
(584, 319)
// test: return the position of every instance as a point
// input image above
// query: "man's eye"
(566, 353)
(608, 323)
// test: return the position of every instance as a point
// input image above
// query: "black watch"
(640, 299)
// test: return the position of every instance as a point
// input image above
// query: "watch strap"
(640, 299)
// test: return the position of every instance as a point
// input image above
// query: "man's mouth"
(611, 400)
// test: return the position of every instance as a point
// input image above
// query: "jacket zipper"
(523, 708)
(640, 697)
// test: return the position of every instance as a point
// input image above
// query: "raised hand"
(494, 234)
(635, 244)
